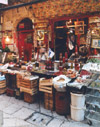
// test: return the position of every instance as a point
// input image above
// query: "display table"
(47, 74)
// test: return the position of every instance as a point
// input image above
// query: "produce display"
(93, 60)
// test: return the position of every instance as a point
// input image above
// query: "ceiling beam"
(21, 5)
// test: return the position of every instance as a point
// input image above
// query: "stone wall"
(49, 10)
(56, 8)
(41, 13)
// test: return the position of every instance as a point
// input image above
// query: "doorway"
(25, 38)
(60, 39)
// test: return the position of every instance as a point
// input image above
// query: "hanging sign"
(4, 1)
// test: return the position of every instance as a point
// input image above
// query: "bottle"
(66, 56)
(63, 60)
(80, 65)
(22, 53)
(71, 65)
(50, 64)
(60, 59)
(76, 65)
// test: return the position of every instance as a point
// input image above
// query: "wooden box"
(29, 98)
(10, 92)
(49, 101)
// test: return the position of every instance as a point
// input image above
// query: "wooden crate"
(49, 101)
(28, 83)
(46, 85)
(29, 98)
(10, 92)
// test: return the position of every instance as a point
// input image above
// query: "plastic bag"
(60, 83)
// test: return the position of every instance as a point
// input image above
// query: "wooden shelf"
(58, 27)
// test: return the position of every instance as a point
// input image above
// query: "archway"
(25, 38)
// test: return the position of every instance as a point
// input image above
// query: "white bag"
(60, 85)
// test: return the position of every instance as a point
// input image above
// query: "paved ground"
(17, 113)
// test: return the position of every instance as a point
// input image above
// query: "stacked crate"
(49, 101)
(46, 86)
(29, 85)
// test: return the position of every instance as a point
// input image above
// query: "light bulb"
(70, 21)
(7, 39)
(92, 32)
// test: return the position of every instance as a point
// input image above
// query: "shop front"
(57, 58)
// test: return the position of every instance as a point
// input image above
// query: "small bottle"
(63, 60)
(80, 65)
(50, 64)
(66, 56)
(76, 65)
(71, 65)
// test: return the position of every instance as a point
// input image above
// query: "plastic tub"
(77, 114)
(77, 100)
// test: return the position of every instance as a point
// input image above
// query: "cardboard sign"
(4, 1)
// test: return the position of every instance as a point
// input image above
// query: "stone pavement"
(17, 113)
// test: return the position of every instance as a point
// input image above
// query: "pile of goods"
(71, 73)
(93, 60)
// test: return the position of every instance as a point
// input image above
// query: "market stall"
(55, 74)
